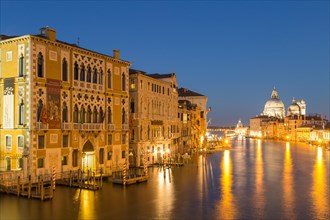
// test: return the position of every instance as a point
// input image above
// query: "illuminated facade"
(240, 129)
(154, 130)
(200, 101)
(274, 107)
(190, 127)
(62, 106)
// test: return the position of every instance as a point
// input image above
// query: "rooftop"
(187, 92)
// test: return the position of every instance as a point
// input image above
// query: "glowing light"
(320, 202)
(227, 207)
(259, 198)
(288, 185)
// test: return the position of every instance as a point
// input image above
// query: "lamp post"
(83, 156)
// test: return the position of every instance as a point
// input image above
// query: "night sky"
(232, 52)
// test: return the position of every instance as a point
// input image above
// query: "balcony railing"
(87, 126)
(66, 126)
(125, 127)
(41, 126)
(111, 127)
(88, 85)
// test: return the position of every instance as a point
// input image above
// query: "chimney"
(116, 54)
(48, 32)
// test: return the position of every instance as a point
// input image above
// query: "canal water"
(253, 180)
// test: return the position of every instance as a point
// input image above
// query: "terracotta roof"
(161, 76)
(5, 37)
(186, 92)
(134, 71)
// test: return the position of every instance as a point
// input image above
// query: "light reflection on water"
(259, 199)
(227, 205)
(253, 180)
(319, 188)
(288, 185)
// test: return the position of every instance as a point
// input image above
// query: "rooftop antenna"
(78, 41)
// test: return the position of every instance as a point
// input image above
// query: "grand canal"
(253, 180)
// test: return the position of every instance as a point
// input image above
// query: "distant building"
(274, 107)
(240, 129)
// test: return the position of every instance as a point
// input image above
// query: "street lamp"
(83, 156)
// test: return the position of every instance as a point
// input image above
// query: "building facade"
(154, 130)
(190, 127)
(201, 102)
(62, 106)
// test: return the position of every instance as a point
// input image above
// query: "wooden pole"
(18, 185)
(29, 187)
(70, 177)
(42, 189)
(38, 186)
(101, 177)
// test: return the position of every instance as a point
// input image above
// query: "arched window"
(109, 79)
(65, 112)
(20, 163)
(94, 115)
(40, 107)
(82, 73)
(133, 134)
(89, 114)
(75, 114)
(64, 70)
(89, 74)
(132, 106)
(101, 77)
(101, 115)
(109, 116)
(20, 143)
(40, 68)
(123, 82)
(75, 71)
(21, 113)
(21, 66)
(82, 114)
(123, 116)
(95, 76)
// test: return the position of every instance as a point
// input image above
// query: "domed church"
(297, 108)
(274, 107)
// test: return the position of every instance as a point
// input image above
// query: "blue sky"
(234, 52)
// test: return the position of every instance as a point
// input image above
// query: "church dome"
(274, 106)
(294, 108)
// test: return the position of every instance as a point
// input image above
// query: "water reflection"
(259, 186)
(319, 189)
(165, 197)
(288, 185)
(85, 201)
(227, 207)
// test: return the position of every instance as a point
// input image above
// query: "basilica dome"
(294, 108)
(274, 107)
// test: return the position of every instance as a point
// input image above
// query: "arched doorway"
(88, 156)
